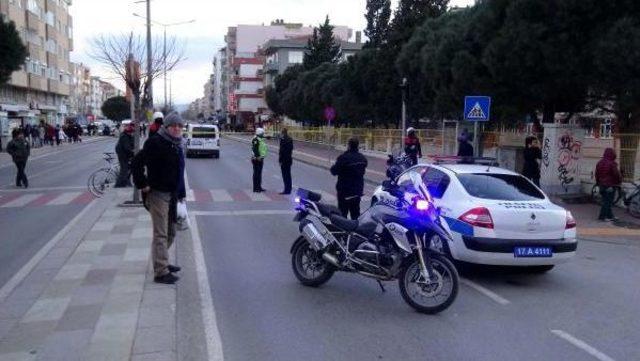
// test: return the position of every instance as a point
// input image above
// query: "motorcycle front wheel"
(308, 266)
(432, 296)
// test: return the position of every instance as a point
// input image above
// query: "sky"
(202, 38)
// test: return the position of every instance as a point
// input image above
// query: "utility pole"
(164, 60)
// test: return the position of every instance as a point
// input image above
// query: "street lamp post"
(403, 86)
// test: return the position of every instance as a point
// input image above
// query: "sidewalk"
(89, 294)
(626, 230)
(47, 150)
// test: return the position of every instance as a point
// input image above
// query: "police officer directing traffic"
(350, 168)
(258, 153)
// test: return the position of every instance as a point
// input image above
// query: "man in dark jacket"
(350, 168)
(608, 179)
(124, 150)
(20, 150)
(412, 146)
(158, 119)
(162, 185)
(532, 157)
(285, 158)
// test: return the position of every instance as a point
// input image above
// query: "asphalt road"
(58, 192)
(584, 310)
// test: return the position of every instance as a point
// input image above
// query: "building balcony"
(54, 86)
(36, 52)
(272, 67)
(19, 79)
(35, 23)
(52, 60)
(51, 6)
(37, 82)
(52, 33)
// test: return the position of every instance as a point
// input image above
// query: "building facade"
(241, 83)
(40, 90)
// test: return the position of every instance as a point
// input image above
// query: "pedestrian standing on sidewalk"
(258, 153)
(158, 118)
(532, 157)
(350, 168)
(412, 146)
(19, 150)
(608, 179)
(285, 158)
(465, 149)
(158, 170)
(124, 150)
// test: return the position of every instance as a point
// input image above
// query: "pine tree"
(378, 16)
(322, 47)
(12, 51)
(409, 15)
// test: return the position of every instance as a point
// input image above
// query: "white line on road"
(212, 333)
(277, 212)
(22, 190)
(492, 295)
(220, 195)
(64, 198)
(257, 197)
(582, 345)
(29, 266)
(22, 200)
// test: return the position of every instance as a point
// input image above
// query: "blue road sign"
(477, 108)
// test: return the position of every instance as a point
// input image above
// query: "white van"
(203, 139)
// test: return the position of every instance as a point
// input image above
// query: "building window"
(32, 6)
(296, 57)
(50, 18)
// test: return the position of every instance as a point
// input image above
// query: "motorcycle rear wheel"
(429, 298)
(308, 266)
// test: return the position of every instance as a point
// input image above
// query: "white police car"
(495, 216)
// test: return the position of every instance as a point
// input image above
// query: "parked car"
(496, 216)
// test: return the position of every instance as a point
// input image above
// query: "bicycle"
(104, 178)
(631, 199)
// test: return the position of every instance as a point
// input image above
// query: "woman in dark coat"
(532, 157)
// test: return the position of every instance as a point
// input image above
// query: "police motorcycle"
(390, 241)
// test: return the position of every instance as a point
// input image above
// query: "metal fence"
(627, 147)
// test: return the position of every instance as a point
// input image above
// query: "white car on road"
(496, 217)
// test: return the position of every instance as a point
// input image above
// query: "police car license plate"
(521, 252)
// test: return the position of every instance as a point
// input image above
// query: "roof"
(473, 168)
(301, 43)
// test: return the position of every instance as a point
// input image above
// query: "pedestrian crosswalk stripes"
(200, 196)
(220, 195)
(19, 200)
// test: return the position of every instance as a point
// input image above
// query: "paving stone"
(51, 263)
(28, 291)
(123, 303)
(18, 356)
(61, 289)
(113, 337)
(137, 254)
(162, 315)
(82, 258)
(99, 277)
(47, 309)
(66, 346)
(40, 276)
(117, 238)
(15, 308)
(97, 235)
(90, 295)
(113, 249)
(133, 267)
(107, 262)
(27, 337)
(156, 356)
(123, 229)
(158, 297)
(154, 339)
(61, 252)
(72, 271)
(103, 226)
(127, 284)
(90, 246)
(79, 318)
(142, 232)
(6, 326)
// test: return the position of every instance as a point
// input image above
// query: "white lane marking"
(191, 196)
(42, 189)
(242, 213)
(33, 262)
(211, 331)
(257, 197)
(220, 195)
(64, 198)
(22, 200)
(582, 345)
(492, 295)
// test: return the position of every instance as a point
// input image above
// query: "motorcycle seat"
(344, 223)
(328, 209)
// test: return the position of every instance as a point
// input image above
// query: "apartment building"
(242, 80)
(40, 90)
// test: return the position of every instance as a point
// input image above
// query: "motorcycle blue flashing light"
(422, 205)
(296, 199)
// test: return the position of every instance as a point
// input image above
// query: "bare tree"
(120, 52)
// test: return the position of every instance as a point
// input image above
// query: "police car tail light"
(478, 217)
(571, 222)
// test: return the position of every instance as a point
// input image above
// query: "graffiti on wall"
(546, 150)
(568, 157)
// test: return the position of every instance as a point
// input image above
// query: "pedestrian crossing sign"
(477, 108)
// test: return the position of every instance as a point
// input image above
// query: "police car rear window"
(203, 133)
(500, 187)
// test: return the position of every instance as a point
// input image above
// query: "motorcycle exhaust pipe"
(331, 259)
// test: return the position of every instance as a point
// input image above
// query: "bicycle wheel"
(595, 194)
(634, 205)
(101, 180)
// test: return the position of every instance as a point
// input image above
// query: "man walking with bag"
(286, 160)
(19, 150)
(163, 186)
